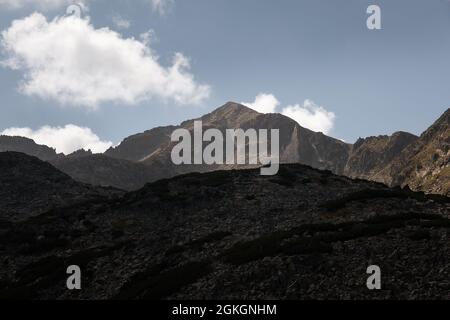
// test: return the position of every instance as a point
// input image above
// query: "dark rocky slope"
(230, 234)
(101, 170)
(29, 186)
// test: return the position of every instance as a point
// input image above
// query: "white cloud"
(120, 22)
(264, 103)
(311, 116)
(71, 62)
(65, 139)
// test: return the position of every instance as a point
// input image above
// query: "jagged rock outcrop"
(80, 154)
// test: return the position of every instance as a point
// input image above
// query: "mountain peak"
(398, 134)
(233, 107)
(231, 113)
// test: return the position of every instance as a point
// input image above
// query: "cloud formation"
(70, 61)
(311, 116)
(264, 103)
(65, 139)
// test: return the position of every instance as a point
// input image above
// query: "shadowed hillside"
(228, 234)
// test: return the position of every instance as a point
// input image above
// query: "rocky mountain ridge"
(425, 164)
(401, 159)
(371, 155)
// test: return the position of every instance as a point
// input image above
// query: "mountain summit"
(297, 144)
(422, 162)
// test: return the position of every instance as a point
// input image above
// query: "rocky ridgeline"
(425, 164)
(402, 159)
(301, 234)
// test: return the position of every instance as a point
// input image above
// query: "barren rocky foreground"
(303, 234)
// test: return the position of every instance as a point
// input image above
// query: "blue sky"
(373, 81)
